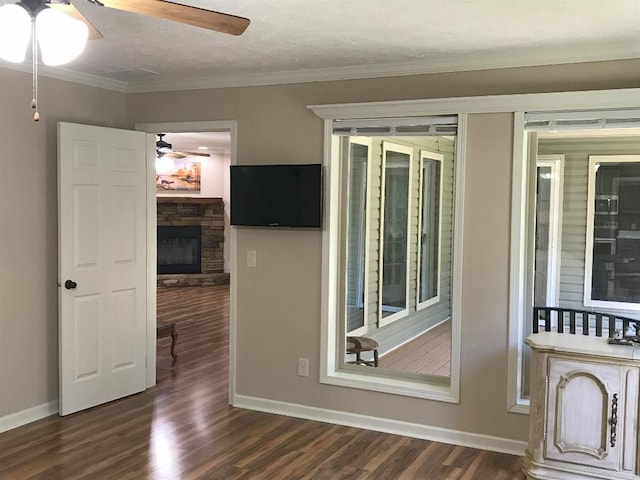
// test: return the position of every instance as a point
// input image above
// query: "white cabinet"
(584, 409)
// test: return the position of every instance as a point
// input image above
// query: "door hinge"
(546, 380)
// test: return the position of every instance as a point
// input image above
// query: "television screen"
(276, 195)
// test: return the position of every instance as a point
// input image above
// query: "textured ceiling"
(300, 35)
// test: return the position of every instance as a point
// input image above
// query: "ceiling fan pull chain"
(34, 69)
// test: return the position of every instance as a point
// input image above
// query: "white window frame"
(588, 270)
(519, 283)
(333, 345)
(404, 312)
(556, 163)
(427, 155)
(518, 310)
(366, 142)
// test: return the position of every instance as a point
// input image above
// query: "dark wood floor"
(183, 428)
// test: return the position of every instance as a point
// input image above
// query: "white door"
(102, 259)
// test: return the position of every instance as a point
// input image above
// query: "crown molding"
(445, 63)
(460, 62)
(69, 76)
(552, 101)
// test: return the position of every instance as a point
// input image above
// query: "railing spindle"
(572, 322)
(613, 322)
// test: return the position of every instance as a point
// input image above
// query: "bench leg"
(174, 339)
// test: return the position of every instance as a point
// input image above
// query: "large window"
(576, 224)
(612, 274)
(391, 237)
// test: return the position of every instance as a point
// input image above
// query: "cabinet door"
(582, 398)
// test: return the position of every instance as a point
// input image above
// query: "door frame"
(178, 127)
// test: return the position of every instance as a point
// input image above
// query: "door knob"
(70, 284)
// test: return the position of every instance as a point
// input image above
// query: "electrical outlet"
(303, 367)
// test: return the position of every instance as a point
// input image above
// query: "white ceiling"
(301, 40)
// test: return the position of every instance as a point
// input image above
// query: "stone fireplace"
(190, 241)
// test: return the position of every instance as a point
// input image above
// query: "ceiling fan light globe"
(15, 33)
(60, 37)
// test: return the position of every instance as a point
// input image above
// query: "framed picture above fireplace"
(178, 175)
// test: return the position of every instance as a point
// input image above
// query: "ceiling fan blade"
(199, 17)
(73, 12)
(193, 154)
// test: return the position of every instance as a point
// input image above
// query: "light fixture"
(162, 146)
(60, 37)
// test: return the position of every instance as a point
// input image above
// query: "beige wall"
(278, 311)
(28, 253)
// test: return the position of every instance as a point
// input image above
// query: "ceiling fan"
(61, 30)
(164, 148)
(198, 17)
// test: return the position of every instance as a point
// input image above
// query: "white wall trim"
(586, 100)
(17, 419)
(517, 267)
(396, 427)
(462, 62)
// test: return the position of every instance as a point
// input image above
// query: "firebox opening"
(179, 249)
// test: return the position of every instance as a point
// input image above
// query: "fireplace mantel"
(189, 200)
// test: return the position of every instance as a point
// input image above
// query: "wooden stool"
(166, 330)
(357, 345)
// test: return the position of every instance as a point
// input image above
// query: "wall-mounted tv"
(276, 195)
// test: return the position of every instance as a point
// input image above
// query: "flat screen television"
(276, 195)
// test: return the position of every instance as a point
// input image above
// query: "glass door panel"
(356, 253)
(429, 248)
(395, 231)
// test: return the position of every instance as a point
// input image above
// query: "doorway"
(186, 137)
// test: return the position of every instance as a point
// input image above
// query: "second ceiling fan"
(164, 148)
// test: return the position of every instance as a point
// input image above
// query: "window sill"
(395, 386)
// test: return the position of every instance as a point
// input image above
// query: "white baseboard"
(17, 419)
(414, 430)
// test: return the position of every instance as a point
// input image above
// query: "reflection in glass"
(430, 230)
(542, 228)
(357, 174)
(616, 233)
(394, 256)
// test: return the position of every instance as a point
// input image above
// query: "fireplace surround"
(203, 214)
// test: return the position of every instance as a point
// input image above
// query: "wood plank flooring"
(429, 353)
(183, 429)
